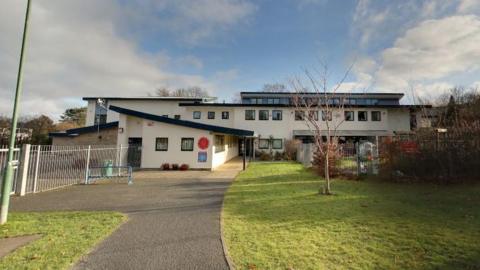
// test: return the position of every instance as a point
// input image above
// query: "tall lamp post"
(7, 178)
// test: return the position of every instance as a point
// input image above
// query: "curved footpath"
(174, 218)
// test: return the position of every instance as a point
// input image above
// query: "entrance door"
(134, 157)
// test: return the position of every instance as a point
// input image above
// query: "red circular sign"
(203, 143)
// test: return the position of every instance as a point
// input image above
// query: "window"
(299, 115)
(249, 114)
(263, 115)
(313, 115)
(277, 115)
(187, 144)
(100, 119)
(376, 116)
(101, 113)
(211, 115)
(362, 116)
(161, 144)
(197, 115)
(263, 143)
(177, 116)
(277, 143)
(349, 116)
(324, 115)
(225, 115)
(219, 143)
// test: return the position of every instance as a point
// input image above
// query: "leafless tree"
(320, 98)
(194, 91)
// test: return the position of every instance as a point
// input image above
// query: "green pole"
(7, 178)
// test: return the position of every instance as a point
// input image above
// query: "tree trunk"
(326, 190)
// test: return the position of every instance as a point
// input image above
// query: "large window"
(219, 143)
(101, 113)
(326, 115)
(263, 143)
(249, 114)
(349, 116)
(277, 115)
(376, 116)
(362, 116)
(187, 144)
(161, 144)
(313, 115)
(277, 143)
(263, 115)
(211, 115)
(299, 115)
(225, 115)
(197, 114)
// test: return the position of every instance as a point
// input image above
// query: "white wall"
(90, 118)
(174, 133)
(231, 151)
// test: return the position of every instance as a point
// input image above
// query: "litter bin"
(107, 168)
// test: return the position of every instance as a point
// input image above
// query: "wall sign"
(203, 143)
(202, 156)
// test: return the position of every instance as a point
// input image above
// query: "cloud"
(192, 21)
(77, 48)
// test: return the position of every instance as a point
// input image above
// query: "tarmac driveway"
(174, 218)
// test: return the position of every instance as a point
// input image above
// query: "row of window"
(263, 115)
(267, 143)
(349, 115)
(186, 144)
(313, 100)
(210, 115)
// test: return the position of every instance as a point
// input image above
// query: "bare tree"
(193, 91)
(308, 104)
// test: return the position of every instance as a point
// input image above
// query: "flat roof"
(153, 98)
(293, 106)
(184, 123)
(77, 131)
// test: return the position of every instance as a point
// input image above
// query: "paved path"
(173, 218)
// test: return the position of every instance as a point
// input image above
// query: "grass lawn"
(274, 219)
(66, 236)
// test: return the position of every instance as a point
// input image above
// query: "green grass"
(273, 218)
(65, 237)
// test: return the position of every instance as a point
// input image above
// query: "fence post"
(37, 163)
(87, 165)
(120, 159)
(25, 158)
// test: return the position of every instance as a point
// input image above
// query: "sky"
(82, 48)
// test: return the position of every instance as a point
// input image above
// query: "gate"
(3, 165)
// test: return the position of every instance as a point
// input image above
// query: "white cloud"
(76, 49)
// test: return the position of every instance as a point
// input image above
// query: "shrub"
(165, 166)
(333, 157)
(278, 156)
(264, 156)
(291, 147)
(184, 167)
(175, 166)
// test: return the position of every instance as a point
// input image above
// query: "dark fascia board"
(149, 98)
(328, 93)
(184, 123)
(77, 131)
(292, 106)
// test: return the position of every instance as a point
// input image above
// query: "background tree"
(193, 91)
(309, 104)
(75, 116)
(40, 127)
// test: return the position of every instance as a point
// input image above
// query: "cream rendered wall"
(174, 133)
(224, 156)
(218, 121)
(90, 118)
(399, 120)
(158, 107)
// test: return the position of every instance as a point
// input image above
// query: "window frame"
(273, 144)
(177, 116)
(281, 115)
(314, 113)
(211, 115)
(366, 116)
(260, 115)
(181, 144)
(227, 114)
(222, 147)
(379, 116)
(329, 117)
(259, 144)
(299, 115)
(353, 116)
(156, 144)
(253, 112)
(199, 114)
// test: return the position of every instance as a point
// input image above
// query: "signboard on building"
(202, 156)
